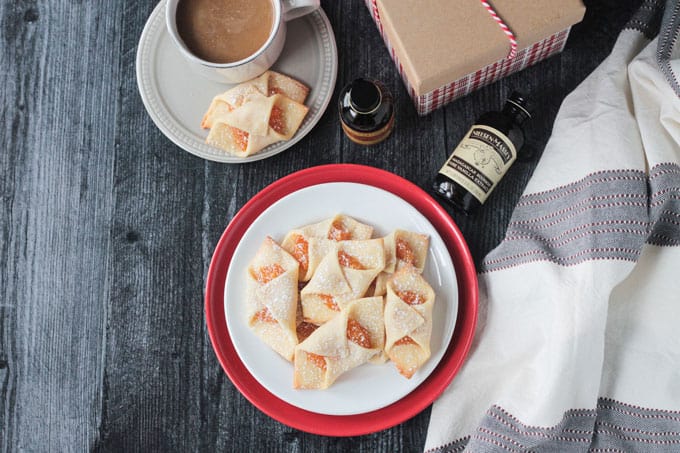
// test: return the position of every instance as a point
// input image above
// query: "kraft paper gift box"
(445, 49)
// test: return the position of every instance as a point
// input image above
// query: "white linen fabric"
(577, 346)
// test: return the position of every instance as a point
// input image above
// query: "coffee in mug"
(232, 41)
(224, 31)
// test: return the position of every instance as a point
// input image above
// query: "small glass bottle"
(366, 110)
(483, 156)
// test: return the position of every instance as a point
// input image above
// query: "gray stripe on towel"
(624, 427)
(664, 206)
(602, 216)
(668, 35)
(612, 427)
(647, 19)
(606, 215)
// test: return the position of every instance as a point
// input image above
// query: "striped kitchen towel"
(577, 345)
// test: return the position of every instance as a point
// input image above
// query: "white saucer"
(176, 98)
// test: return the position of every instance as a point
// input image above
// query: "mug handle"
(292, 9)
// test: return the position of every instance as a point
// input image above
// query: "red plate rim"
(397, 412)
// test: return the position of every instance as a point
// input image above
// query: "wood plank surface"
(107, 228)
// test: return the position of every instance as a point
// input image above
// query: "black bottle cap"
(519, 103)
(364, 96)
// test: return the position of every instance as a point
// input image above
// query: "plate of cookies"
(343, 308)
(345, 291)
(245, 122)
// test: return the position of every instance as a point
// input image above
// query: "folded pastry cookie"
(311, 243)
(339, 228)
(408, 320)
(267, 84)
(343, 274)
(307, 250)
(278, 83)
(256, 124)
(405, 248)
(228, 101)
(350, 339)
(272, 297)
(255, 114)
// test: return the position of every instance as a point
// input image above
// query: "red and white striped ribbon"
(376, 14)
(489, 8)
(504, 27)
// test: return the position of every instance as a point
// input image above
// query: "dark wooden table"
(107, 228)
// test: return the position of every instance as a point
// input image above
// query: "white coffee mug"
(253, 65)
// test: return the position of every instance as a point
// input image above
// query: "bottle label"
(480, 160)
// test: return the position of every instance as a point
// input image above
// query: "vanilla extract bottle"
(483, 156)
(366, 109)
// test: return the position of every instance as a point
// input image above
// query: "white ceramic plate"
(368, 387)
(176, 98)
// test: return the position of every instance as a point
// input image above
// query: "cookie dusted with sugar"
(340, 227)
(344, 274)
(408, 320)
(350, 339)
(255, 114)
(272, 297)
(405, 248)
